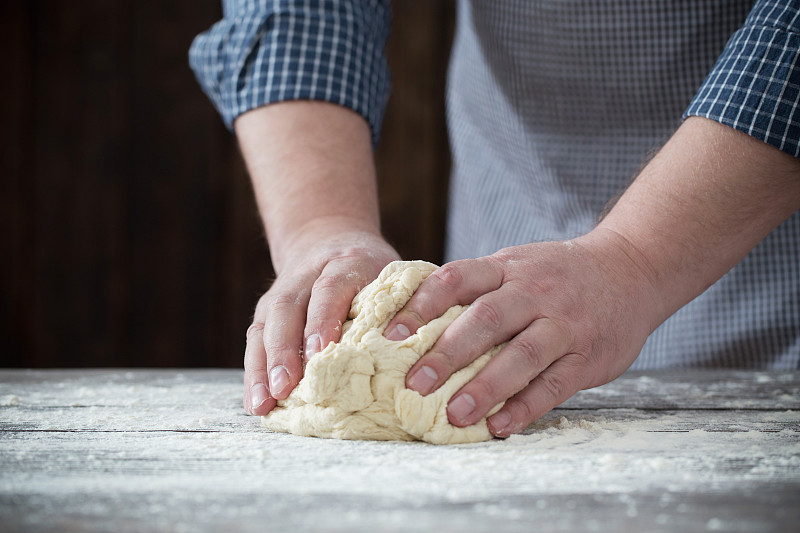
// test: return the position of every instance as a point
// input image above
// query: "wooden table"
(171, 450)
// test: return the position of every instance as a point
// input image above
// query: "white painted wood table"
(171, 450)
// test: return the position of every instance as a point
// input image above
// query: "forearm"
(575, 315)
(707, 199)
(312, 169)
(314, 181)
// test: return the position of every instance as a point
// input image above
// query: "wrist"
(312, 172)
(709, 196)
(632, 270)
(336, 233)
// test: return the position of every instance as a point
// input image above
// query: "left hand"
(576, 315)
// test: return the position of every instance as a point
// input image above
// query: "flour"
(175, 449)
(8, 401)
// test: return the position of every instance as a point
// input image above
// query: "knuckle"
(487, 314)
(329, 329)
(483, 389)
(564, 331)
(418, 311)
(530, 352)
(448, 359)
(448, 277)
(577, 371)
(255, 364)
(544, 284)
(412, 318)
(285, 299)
(279, 351)
(253, 370)
(522, 412)
(505, 255)
(555, 386)
(351, 252)
(328, 282)
(261, 307)
(255, 330)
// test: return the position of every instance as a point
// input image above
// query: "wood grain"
(171, 450)
(413, 158)
(130, 236)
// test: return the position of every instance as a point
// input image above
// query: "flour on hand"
(355, 389)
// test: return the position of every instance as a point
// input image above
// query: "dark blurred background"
(129, 232)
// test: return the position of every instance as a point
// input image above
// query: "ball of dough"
(355, 389)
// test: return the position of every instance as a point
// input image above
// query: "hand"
(576, 315)
(313, 175)
(304, 309)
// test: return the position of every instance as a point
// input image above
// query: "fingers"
(257, 399)
(489, 321)
(459, 282)
(297, 317)
(272, 362)
(524, 358)
(331, 296)
(549, 389)
(531, 373)
(285, 306)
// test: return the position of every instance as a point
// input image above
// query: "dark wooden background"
(129, 233)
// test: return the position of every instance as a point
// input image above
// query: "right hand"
(325, 267)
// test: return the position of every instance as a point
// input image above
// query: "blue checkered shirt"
(552, 106)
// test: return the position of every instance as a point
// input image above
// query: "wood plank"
(696, 389)
(127, 213)
(140, 420)
(16, 192)
(200, 480)
(171, 450)
(413, 159)
(670, 390)
(131, 227)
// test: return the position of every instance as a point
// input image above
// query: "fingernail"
(499, 421)
(423, 379)
(278, 379)
(462, 406)
(313, 345)
(258, 395)
(399, 333)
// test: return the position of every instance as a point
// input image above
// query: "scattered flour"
(9, 400)
(157, 439)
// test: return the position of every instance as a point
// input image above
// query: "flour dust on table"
(355, 389)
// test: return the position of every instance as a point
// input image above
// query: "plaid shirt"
(755, 85)
(552, 106)
(266, 51)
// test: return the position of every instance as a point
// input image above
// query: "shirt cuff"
(270, 51)
(755, 85)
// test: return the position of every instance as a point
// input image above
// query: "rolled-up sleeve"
(266, 51)
(755, 85)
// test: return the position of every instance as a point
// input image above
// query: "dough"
(355, 389)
